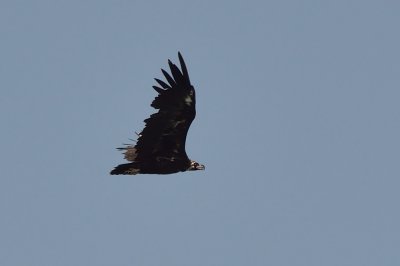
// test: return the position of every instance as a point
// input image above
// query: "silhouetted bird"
(160, 148)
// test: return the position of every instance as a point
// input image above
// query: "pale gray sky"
(298, 125)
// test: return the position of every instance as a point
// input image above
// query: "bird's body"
(160, 148)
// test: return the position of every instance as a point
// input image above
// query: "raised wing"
(164, 135)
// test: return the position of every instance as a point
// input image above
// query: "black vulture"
(160, 148)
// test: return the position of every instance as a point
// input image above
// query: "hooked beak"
(200, 167)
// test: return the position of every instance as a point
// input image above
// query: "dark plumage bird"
(160, 148)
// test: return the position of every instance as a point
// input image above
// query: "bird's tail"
(126, 169)
(129, 152)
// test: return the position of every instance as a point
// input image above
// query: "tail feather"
(129, 152)
(126, 169)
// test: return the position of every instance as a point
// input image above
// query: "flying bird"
(160, 148)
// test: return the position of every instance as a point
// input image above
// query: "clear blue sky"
(298, 125)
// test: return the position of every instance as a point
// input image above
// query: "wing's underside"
(165, 132)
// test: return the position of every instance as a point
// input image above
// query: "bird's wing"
(164, 134)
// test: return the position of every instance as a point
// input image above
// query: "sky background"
(298, 124)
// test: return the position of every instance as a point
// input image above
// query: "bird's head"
(195, 166)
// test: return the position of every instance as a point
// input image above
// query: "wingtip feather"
(169, 78)
(162, 84)
(183, 67)
(158, 89)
